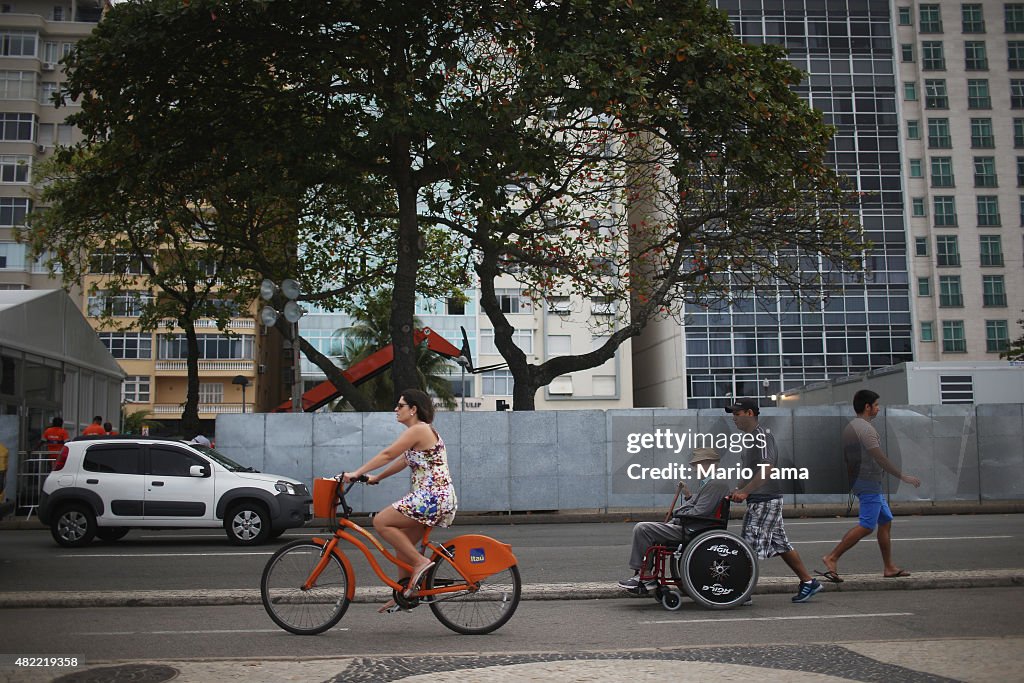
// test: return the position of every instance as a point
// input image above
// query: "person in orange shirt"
(95, 428)
(54, 437)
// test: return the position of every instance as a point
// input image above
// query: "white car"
(104, 486)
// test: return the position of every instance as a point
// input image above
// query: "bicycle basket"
(325, 498)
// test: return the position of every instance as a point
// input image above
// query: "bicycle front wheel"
(478, 612)
(304, 612)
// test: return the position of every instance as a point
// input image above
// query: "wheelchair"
(713, 566)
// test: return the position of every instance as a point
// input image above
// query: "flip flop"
(898, 575)
(829, 576)
(414, 580)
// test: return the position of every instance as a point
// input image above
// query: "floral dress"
(432, 501)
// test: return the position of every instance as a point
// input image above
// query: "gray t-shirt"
(705, 500)
(769, 489)
(864, 472)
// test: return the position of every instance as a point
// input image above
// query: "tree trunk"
(403, 295)
(524, 385)
(190, 413)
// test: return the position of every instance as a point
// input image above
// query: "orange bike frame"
(331, 547)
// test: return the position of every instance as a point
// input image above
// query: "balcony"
(221, 366)
(209, 323)
(174, 409)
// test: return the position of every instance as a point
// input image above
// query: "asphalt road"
(176, 633)
(547, 553)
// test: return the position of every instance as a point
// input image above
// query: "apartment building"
(961, 71)
(34, 36)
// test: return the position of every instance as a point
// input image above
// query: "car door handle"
(92, 481)
(158, 483)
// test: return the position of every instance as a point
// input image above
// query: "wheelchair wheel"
(671, 600)
(718, 570)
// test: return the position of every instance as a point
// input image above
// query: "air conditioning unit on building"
(261, 368)
(41, 149)
(49, 66)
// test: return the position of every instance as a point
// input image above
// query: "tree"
(685, 171)
(1015, 350)
(369, 333)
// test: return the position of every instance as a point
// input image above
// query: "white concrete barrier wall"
(575, 460)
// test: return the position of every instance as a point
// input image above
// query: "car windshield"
(221, 459)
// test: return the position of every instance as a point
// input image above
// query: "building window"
(924, 286)
(935, 94)
(559, 345)
(1015, 55)
(950, 294)
(12, 256)
(13, 211)
(497, 383)
(927, 331)
(521, 338)
(917, 207)
(455, 306)
(988, 211)
(977, 94)
(1020, 203)
(973, 18)
(211, 392)
(953, 340)
(947, 251)
(1020, 171)
(128, 345)
(942, 172)
(135, 389)
(1018, 133)
(916, 170)
(910, 92)
(906, 16)
(997, 336)
(932, 56)
(115, 264)
(907, 52)
(931, 19)
(211, 346)
(920, 246)
(17, 43)
(16, 127)
(17, 85)
(914, 130)
(993, 289)
(981, 134)
(991, 250)
(945, 211)
(511, 301)
(975, 56)
(938, 134)
(1014, 17)
(15, 169)
(985, 172)
(1016, 93)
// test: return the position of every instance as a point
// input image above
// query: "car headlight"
(285, 487)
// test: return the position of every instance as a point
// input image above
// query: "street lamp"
(243, 382)
(292, 313)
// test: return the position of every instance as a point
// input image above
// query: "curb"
(987, 578)
(790, 511)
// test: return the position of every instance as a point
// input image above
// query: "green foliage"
(132, 423)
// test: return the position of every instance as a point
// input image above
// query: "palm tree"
(371, 332)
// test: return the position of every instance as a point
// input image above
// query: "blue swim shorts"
(874, 510)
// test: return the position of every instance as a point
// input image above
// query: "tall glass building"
(765, 344)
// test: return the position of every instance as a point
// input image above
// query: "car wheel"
(111, 533)
(73, 526)
(247, 524)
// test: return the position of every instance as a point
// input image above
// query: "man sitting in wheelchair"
(702, 503)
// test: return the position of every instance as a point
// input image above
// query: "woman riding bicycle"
(432, 501)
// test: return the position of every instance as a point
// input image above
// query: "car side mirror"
(198, 471)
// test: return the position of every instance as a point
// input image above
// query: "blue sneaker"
(807, 590)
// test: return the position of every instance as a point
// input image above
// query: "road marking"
(810, 616)
(931, 538)
(186, 633)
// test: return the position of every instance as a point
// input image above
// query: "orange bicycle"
(473, 587)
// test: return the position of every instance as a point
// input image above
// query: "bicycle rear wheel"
(304, 612)
(478, 612)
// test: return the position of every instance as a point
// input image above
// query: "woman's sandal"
(390, 607)
(414, 580)
(829, 576)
